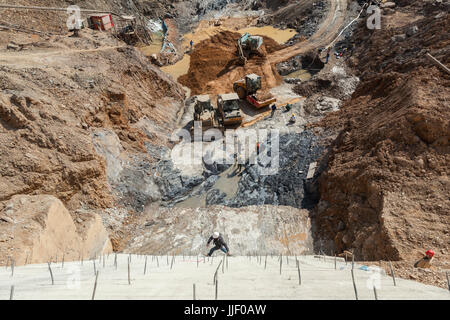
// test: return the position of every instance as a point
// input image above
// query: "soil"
(385, 192)
(214, 65)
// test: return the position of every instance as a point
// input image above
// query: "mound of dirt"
(385, 192)
(214, 65)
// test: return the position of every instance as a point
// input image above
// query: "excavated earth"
(385, 192)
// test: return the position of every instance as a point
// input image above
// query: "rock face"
(387, 177)
(39, 228)
(261, 229)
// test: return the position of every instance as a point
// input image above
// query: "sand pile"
(214, 65)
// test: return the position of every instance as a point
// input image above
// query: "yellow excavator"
(247, 89)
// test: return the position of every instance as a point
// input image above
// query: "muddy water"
(280, 36)
(182, 67)
(226, 183)
(301, 74)
(178, 69)
(155, 46)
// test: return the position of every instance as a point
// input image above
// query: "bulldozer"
(248, 44)
(247, 89)
(204, 112)
(229, 110)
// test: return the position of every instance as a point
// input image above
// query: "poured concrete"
(243, 279)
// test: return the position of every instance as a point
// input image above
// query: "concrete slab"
(245, 278)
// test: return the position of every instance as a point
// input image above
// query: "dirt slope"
(385, 192)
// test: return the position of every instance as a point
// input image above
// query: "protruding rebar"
(281, 262)
(145, 265)
(392, 273)
(193, 290)
(95, 285)
(11, 293)
(299, 274)
(217, 287)
(265, 263)
(354, 285)
(51, 273)
(375, 292)
(129, 278)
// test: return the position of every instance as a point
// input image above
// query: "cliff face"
(60, 100)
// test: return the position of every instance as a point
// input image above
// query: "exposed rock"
(50, 231)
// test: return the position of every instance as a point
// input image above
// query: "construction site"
(224, 150)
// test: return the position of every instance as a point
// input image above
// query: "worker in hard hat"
(293, 119)
(425, 262)
(219, 244)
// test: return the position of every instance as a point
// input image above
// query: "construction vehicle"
(248, 44)
(204, 112)
(229, 110)
(247, 89)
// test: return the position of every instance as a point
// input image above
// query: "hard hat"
(430, 253)
(215, 235)
(293, 115)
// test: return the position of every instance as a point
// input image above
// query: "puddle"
(178, 69)
(155, 46)
(280, 36)
(301, 74)
(226, 183)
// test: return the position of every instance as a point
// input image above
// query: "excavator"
(247, 89)
(248, 44)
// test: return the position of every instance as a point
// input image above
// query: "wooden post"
(51, 273)
(95, 285)
(157, 261)
(193, 287)
(145, 266)
(95, 269)
(265, 263)
(299, 275)
(354, 285)
(335, 262)
(115, 261)
(11, 293)
(392, 273)
(375, 292)
(171, 263)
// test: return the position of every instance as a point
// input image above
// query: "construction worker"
(425, 262)
(219, 244)
(274, 108)
(192, 44)
(293, 119)
(257, 148)
(328, 54)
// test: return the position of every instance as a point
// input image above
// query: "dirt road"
(328, 30)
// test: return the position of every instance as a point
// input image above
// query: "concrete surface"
(245, 278)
